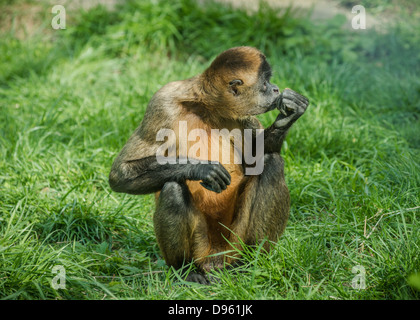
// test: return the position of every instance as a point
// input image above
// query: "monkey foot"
(197, 277)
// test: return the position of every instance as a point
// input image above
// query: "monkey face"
(267, 94)
(237, 83)
(257, 96)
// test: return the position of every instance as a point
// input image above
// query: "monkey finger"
(224, 175)
(302, 101)
(211, 185)
(297, 98)
(290, 105)
(224, 170)
(220, 181)
(283, 112)
(288, 93)
(219, 170)
(207, 186)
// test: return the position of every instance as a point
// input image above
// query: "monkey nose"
(276, 90)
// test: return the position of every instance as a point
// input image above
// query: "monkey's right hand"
(292, 106)
(214, 176)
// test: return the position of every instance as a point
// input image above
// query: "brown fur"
(205, 103)
(191, 221)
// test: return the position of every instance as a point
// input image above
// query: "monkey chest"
(219, 206)
(224, 146)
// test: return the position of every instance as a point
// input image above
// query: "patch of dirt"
(320, 10)
(26, 18)
(22, 19)
(84, 4)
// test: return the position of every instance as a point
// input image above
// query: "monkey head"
(237, 83)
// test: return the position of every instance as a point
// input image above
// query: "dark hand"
(292, 106)
(214, 176)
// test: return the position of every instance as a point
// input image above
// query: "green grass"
(70, 99)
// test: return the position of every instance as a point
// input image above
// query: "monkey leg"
(177, 224)
(264, 204)
(172, 223)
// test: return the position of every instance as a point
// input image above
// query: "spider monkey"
(203, 202)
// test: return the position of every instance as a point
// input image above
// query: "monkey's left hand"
(292, 105)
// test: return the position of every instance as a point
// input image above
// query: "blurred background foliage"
(69, 100)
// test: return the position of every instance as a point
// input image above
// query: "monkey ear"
(233, 86)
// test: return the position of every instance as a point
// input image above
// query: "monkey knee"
(273, 169)
(114, 181)
(174, 193)
(273, 159)
(171, 187)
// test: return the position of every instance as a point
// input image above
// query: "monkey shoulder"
(163, 108)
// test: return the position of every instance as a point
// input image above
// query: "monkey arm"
(292, 106)
(147, 175)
